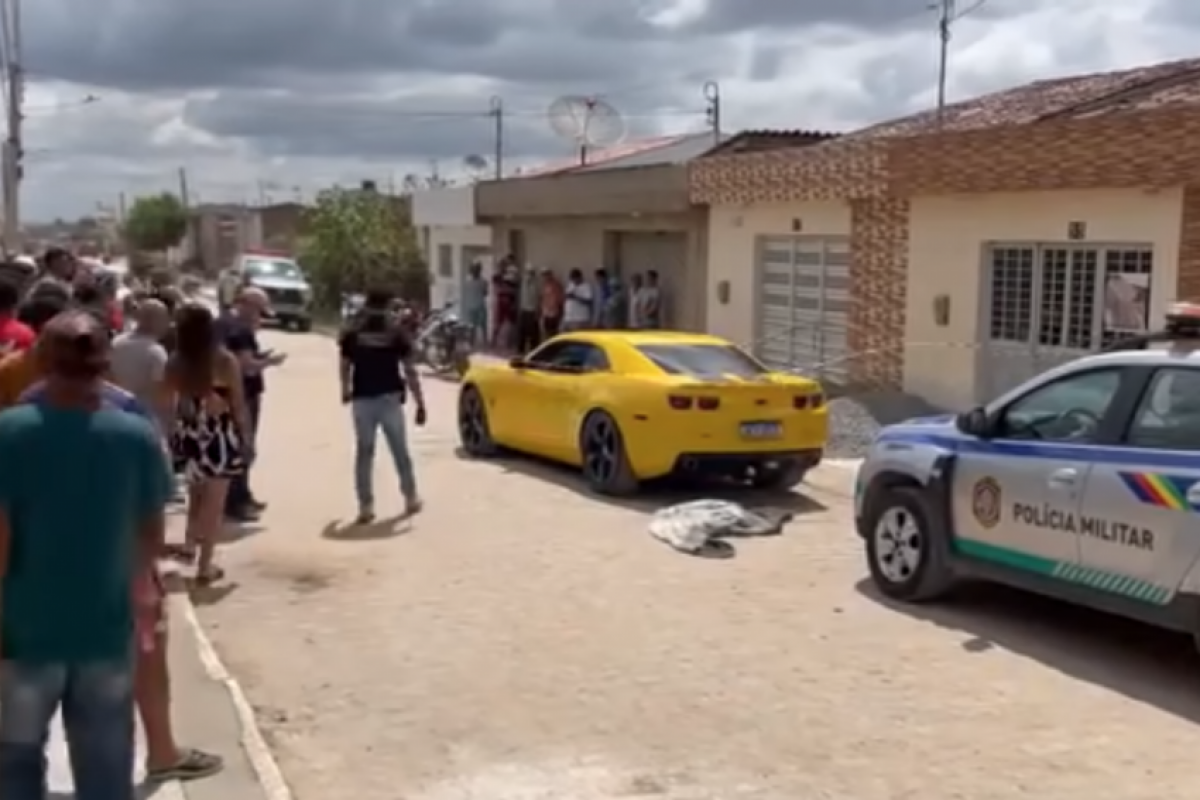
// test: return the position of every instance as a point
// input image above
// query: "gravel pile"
(855, 419)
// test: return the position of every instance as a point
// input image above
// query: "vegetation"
(155, 223)
(359, 239)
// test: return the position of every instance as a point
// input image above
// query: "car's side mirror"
(974, 423)
(518, 363)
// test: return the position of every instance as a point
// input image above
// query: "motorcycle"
(444, 341)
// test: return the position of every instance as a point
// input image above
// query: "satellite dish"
(475, 163)
(587, 121)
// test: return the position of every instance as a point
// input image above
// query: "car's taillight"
(806, 402)
(679, 402)
(709, 403)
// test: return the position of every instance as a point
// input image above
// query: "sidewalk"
(205, 717)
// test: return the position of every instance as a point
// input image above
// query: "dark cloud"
(288, 124)
(222, 43)
(302, 92)
(877, 16)
(741, 15)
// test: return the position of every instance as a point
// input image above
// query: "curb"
(266, 769)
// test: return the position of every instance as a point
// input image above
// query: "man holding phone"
(240, 332)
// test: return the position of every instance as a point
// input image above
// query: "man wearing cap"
(240, 332)
(72, 539)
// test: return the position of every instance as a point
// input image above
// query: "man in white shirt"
(579, 305)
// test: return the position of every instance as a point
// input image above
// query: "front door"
(1142, 499)
(1016, 495)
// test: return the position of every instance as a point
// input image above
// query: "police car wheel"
(904, 555)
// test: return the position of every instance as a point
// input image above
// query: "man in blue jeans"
(83, 488)
(377, 373)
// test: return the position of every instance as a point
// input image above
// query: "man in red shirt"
(15, 335)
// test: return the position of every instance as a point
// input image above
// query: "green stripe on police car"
(1097, 579)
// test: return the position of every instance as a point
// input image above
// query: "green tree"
(155, 223)
(356, 240)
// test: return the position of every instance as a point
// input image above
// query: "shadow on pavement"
(210, 594)
(655, 495)
(1138, 661)
(385, 528)
(236, 531)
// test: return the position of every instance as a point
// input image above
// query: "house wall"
(947, 236)
(661, 189)
(467, 243)
(447, 206)
(586, 242)
(732, 234)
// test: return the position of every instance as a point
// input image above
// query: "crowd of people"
(518, 308)
(99, 427)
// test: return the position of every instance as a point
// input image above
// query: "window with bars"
(1012, 293)
(1126, 298)
(1068, 296)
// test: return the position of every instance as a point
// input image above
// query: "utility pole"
(184, 195)
(948, 14)
(712, 113)
(14, 146)
(497, 115)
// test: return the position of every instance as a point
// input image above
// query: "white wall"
(453, 205)
(947, 239)
(463, 240)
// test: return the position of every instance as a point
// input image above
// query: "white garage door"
(803, 303)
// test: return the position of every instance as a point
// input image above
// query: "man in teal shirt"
(83, 487)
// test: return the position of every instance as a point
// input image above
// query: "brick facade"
(1114, 148)
(878, 278)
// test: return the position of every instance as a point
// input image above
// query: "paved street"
(521, 640)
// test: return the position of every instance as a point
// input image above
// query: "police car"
(1082, 484)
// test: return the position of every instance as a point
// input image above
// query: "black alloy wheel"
(473, 430)
(605, 466)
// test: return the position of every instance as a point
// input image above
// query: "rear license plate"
(762, 430)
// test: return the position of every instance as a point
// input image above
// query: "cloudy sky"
(283, 96)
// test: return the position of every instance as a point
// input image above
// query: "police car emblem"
(985, 502)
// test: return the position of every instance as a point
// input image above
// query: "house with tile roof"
(625, 208)
(956, 254)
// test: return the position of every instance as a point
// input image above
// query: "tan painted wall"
(946, 240)
(732, 231)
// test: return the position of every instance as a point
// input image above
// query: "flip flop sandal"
(192, 765)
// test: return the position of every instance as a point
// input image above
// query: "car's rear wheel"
(473, 430)
(605, 464)
(906, 556)
(781, 478)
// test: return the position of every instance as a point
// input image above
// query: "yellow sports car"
(629, 406)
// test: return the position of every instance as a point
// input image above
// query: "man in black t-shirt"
(377, 374)
(240, 334)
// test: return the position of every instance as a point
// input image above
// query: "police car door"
(1017, 492)
(1142, 536)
